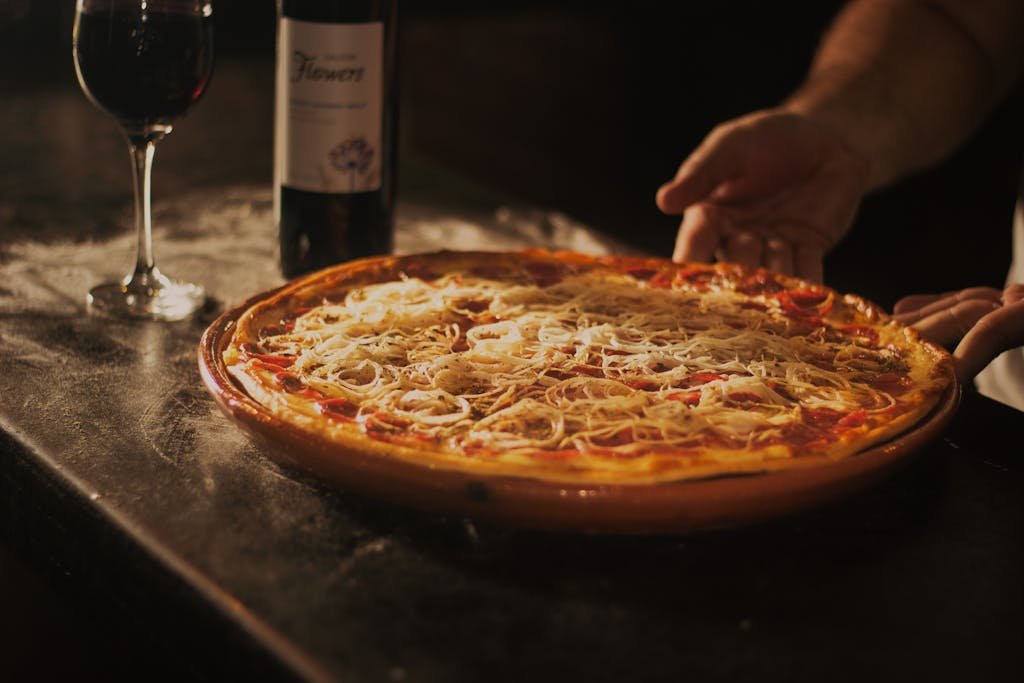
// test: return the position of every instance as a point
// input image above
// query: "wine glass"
(144, 62)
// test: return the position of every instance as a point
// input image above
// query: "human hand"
(772, 188)
(983, 320)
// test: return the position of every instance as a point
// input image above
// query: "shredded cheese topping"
(598, 363)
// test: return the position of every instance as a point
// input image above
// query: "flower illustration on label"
(353, 156)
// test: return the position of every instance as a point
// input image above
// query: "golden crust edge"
(350, 440)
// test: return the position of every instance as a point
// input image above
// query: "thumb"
(1013, 294)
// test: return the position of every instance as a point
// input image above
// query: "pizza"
(570, 368)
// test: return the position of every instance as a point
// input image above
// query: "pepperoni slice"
(266, 359)
(760, 282)
(690, 398)
(661, 281)
(698, 277)
(891, 383)
(588, 370)
(821, 418)
(699, 378)
(805, 301)
(854, 419)
(338, 409)
(807, 296)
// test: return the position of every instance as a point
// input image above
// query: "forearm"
(904, 82)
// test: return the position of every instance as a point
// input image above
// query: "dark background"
(587, 107)
(579, 106)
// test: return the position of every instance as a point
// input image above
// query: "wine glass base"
(159, 298)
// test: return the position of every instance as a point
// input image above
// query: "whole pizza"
(570, 368)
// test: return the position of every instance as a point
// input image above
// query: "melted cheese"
(596, 363)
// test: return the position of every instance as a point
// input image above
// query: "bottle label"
(329, 106)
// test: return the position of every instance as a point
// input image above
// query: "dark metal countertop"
(119, 476)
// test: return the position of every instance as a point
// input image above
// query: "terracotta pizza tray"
(671, 507)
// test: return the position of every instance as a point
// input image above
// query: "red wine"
(335, 130)
(143, 67)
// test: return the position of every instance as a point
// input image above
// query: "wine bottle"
(335, 131)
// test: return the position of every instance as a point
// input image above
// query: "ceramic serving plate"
(531, 503)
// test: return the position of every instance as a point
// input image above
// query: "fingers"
(744, 248)
(808, 262)
(699, 233)
(913, 308)
(808, 245)
(778, 256)
(985, 320)
(708, 232)
(715, 161)
(996, 332)
(909, 304)
(948, 325)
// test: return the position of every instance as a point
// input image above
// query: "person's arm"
(895, 85)
(904, 82)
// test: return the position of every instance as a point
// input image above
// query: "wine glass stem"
(142, 151)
